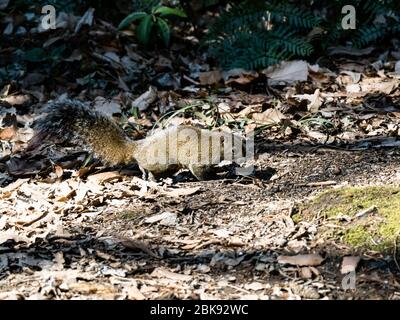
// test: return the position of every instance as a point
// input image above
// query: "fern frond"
(255, 34)
(367, 34)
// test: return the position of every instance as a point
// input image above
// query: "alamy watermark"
(349, 20)
(49, 20)
(349, 281)
(201, 148)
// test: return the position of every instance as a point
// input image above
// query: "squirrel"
(158, 155)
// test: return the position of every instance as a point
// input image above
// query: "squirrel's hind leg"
(160, 172)
(147, 175)
(201, 172)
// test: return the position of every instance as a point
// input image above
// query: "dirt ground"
(122, 237)
(71, 228)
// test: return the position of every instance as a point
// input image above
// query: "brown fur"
(161, 154)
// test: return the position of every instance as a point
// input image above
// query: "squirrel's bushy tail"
(74, 122)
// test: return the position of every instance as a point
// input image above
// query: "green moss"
(296, 217)
(376, 230)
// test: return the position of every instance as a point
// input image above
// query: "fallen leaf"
(210, 77)
(76, 55)
(190, 244)
(3, 261)
(301, 260)
(270, 116)
(136, 244)
(112, 57)
(8, 30)
(106, 107)
(108, 271)
(6, 191)
(223, 107)
(65, 192)
(17, 99)
(4, 4)
(133, 293)
(347, 136)
(354, 76)
(59, 260)
(102, 177)
(315, 100)
(397, 67)
(106, 292)
(21, 167)
(349, 264)
(146, 99)
(222, 233)
(161, 272)
(181, 192)
(58, 171)
(247, 297)
(373, 85)
(31, 221)
(8, 133)
(86, 19)
(6, 89)
(254, 286)
(166, 218)
(353, 88)
(287, 72)
(318, 136)
(239, 75)
(82, 191)
(320, 76)
(377, 85)
(306, 273)
(203, 268)
(257, 108)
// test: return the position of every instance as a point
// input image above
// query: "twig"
(317, 184)
(395, 252)
(238, 288)
(28, 223)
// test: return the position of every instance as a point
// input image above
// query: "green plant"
(40, 55)
(152, 22)
(255, 34)
(170, 115)
(375, 20)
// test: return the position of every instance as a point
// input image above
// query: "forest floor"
(115, 236)
(318, 219)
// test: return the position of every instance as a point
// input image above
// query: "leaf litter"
(71, 230)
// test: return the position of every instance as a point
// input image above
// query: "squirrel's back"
(74, 122)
